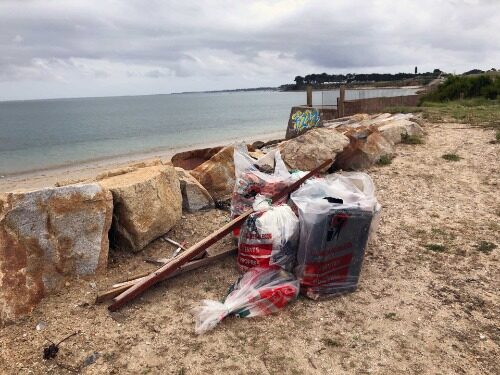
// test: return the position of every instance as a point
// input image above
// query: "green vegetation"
(466, 87)
(473, 99)
(477, 112)
(485, 247)
(497, 138)
(451, 157)
(411, 139)
(384, 160)
(390, 315)
(330, 342)
(435, 247)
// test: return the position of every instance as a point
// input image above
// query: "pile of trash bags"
(313, 244)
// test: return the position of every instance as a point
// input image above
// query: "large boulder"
(217, 174)
(46, 236)
(392, 130)
(147, 203)
(366, 147)
(194, 196)
(192, 158)
(311, 149)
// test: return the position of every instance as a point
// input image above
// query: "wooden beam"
(198, 248)
(195, 264)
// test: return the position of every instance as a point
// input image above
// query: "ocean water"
(40, 134)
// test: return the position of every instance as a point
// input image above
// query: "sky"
(81, 48)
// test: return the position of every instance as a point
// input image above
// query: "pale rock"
(366, 147)
(217, 174)
(147, 204)
(311, 149)
(392, 130)
(47, 235)
(194, 196)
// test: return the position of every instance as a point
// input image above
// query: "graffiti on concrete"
(303, 120)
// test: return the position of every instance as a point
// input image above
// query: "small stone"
(91, 359)
(93, 285)
(40, 326)
(482, 337)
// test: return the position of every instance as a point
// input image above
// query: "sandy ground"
(80, 171)
(416, 311)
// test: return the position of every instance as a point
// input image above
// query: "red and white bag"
(268, 237)
(260, 291)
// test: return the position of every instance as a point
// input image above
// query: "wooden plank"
(195, 264)
(156, 276)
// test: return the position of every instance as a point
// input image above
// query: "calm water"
(44, 133)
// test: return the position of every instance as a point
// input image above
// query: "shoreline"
(46, 177)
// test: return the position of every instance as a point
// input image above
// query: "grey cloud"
(163, 39)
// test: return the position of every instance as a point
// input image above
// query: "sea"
(41, 134)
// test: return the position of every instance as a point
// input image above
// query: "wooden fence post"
(340, 102)
(309, 92)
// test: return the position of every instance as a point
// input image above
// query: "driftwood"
(195, 264)
(198, 248)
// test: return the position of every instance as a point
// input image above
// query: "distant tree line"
(324, 78)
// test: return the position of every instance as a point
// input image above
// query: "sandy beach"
(416, 311)
(74, 172)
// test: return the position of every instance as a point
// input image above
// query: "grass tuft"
(485, 247)
(411, 139)
(390, 315)
(435, 247)
(451, 157)
(384, 160)
(331, 342)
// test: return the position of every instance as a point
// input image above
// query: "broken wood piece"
(195, 264)
(198, 248)
(175, 243)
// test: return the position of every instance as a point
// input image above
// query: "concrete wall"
(304, 118)
(374, 105)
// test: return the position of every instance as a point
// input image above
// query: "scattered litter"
(40, 326)
(335, 216)
(269, 236)
(260, 291)
(50, 352)
(129, 293)
(90, 359)
(266, 176)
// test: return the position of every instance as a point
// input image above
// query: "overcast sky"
(77, 48)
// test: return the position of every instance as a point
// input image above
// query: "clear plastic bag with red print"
(260, 291)
(266, 176)
(337, 216)
(269, 236)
